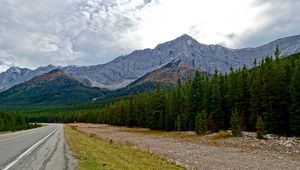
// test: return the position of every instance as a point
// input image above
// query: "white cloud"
(6, 61)
(83, 32)
(214, 21)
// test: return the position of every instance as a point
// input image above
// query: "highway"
(36, 149)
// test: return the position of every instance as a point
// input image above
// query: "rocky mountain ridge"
(126, 69)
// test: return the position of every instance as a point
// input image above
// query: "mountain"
(4, 64)
(167, 75)
(126, 69)
(16, 75)
(53, 88)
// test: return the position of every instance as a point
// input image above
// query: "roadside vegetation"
(93, 153)
(15, 121)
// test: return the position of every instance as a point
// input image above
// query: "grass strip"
(93, 153)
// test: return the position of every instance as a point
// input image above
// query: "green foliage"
(201, 123)
(295, 101)
(216, 102)
(15, 121)
(58, 92)
(235, 123)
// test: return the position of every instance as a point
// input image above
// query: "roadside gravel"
(195, 152)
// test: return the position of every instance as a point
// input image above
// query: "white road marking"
(28, 150)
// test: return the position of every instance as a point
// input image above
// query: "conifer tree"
(256, 88)
(197, 93)
(235, 123)
(158, 112)
(277, 53)
(216, 102)
(295, 101)
(201, 123)
(243, 97)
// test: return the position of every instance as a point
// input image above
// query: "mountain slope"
(53, 88)
(126, 69)
(16, 75)
(167, 75)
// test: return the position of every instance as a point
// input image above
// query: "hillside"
(53, 88)
(168, 74)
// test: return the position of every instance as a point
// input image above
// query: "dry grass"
(2, 133)
(221, 135)
(94, 153)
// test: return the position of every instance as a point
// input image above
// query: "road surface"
(36, 149)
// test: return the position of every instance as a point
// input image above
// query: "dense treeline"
(84, 116)
(265, 99)
(14, 122)
(268, 95)
(85, 112)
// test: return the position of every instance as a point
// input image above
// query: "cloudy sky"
(86, 32)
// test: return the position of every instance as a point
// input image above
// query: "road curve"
(40, 148)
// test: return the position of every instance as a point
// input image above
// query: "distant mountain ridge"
(129, 68)
(53, 88)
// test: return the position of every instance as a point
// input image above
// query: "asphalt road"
(40, 148)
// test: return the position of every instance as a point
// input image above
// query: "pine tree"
(159, 110)
(201, 123)
(271, 118)
(256, 92)
(216, 103)
(280, 96)
(223, 83)
(196, 93)
(295, 101)
(231, 96)
(235, 123)
(187, 106)
(170, 113)
(243, 97)
(277, 53)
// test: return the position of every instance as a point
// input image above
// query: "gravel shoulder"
(205, 152)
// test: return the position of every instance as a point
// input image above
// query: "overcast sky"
(88, 32)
